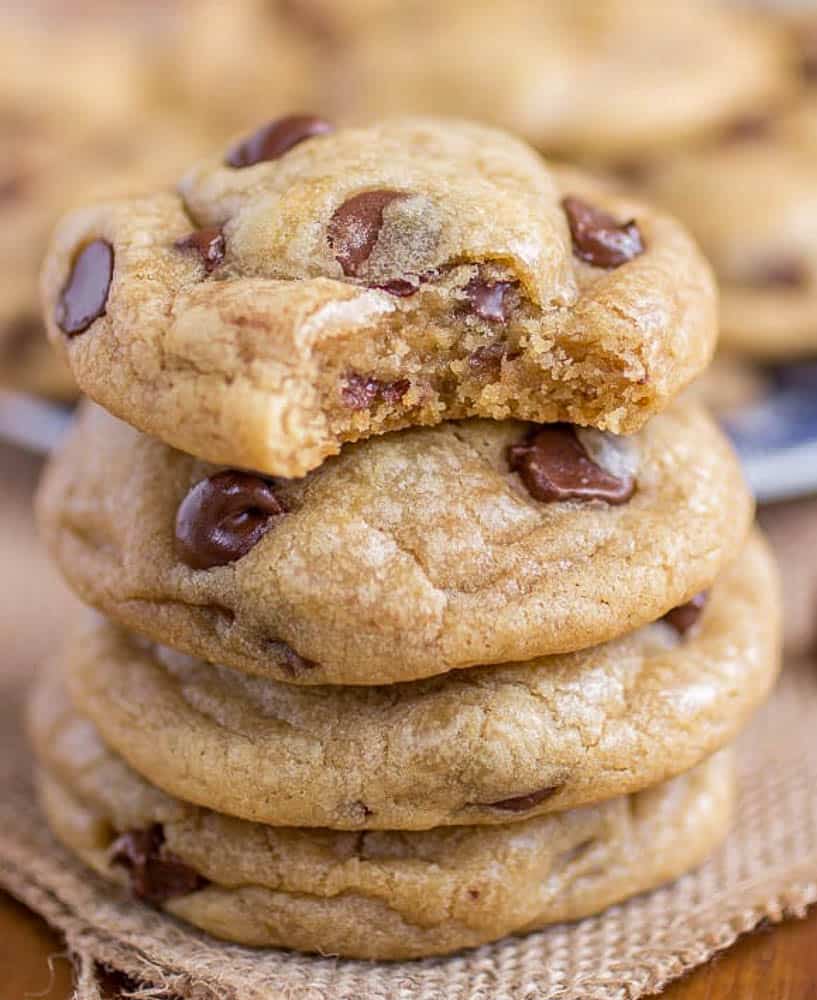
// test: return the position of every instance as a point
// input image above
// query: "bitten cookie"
(482, 746)
(408, 555)
(370, 894)
(311, 287)
(752, 203)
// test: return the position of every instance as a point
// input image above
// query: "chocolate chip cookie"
(752, 203)
(608, 80)
(312, 286)
(370, 894)
(482, 746)
(408, 555)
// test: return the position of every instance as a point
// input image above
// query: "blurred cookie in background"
(80, 120)
(729, 384)
(792, 530)
(751, 201)
(605, 81)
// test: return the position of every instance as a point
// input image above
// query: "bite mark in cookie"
(223, 517)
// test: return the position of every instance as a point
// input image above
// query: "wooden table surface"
(772, 964)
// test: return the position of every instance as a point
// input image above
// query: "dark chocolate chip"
(208, 243)
(223, 517)
(276, 138)
(487, 358)
(686, 616)
(156, 874)
(398, 287)
(355, 226)
(487, 299)
(359, 392)
(598, 237)
(521, 803)
(84, 296)
(778, 272)
(473, 893)
(553, 465)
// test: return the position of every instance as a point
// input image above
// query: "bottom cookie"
(364, 894)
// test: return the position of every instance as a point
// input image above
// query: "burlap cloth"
(767, 870)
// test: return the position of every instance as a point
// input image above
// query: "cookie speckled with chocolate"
(490, 745)
(313, 286)
(372, 894)
(410, 554)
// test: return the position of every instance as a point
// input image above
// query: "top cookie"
(311, 287)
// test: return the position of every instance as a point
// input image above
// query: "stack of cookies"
(428, 610)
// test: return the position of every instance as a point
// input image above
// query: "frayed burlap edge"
(767, 871)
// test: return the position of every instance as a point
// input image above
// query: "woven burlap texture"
(767, 870)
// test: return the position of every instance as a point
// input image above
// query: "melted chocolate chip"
(598, 237)
(686, 616)
(487, 299)
(276, 138)
(359, 392)
(521, 803)
(84, 296)
(398, 287)
(487, 358)
(355, 226)
(208, 243)
(156, 874)
(780, 272)
(223, 517)
(553, 465)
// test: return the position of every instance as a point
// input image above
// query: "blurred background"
(708, 107)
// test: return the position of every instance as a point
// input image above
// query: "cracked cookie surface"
(484, 746)
(372, 894)
(311, 287)
(408, 555)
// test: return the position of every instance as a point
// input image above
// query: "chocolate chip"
(473, 893)
(598, 237)
(11, 188)
(223, 517)
(398, 287)
(554, 465)
(487, 358)
(487, 298)
(359, 392)
(276, 138)
(208, 243)
(808, 52)
(355, 226)
(779, 272)
(521, 803)
(156, 874)
(685, 616)
(21, 336)
(84, 296)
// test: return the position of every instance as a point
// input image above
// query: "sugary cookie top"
(311, 286)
